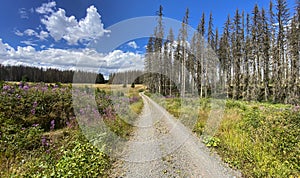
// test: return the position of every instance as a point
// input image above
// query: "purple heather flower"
(52, 123)
(35, 125)
(25, 87)
(33, 111)
(35, 104)
(296, 108)
(18, 96)
(23, 128)
(6, 87)
(20, 84)
(44, 89)
(44, 141)
(81, 111)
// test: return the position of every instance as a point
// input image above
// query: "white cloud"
(43, 35)
(133, 45)
(73, 31)
(46, 8)
(28, 43)
(18, 33)
(5, 48)
(29, 32)
(23, 13)
(59, 26)
(84, 59)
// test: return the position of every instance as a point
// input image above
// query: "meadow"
(40, 135)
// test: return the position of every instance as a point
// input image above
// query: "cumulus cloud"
(5, 48)
(83, 59)
(18, 33)
(69, 28)
(46, 8)
(31, 33)
(133, 45)
(28, 43)
(62, 27)
(23, 13)
(43, 35)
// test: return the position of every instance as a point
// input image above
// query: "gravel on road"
(162, 147)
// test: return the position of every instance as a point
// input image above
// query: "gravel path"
(162, 147)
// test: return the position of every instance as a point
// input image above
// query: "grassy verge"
(260, 139)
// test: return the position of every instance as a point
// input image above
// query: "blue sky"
(52, 33)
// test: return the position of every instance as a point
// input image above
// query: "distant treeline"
(34, 74)
(127, 77)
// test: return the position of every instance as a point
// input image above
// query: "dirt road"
(162, 147)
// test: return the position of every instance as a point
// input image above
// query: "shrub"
(1, 84)
(132, 85)
(58, 84)
(84, 160)
(211, 141)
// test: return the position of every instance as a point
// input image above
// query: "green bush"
(58, 84)
(1, 84)
(211, 141)
(132, 85)
(15, 139)
(84, 160)
(230, 104)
